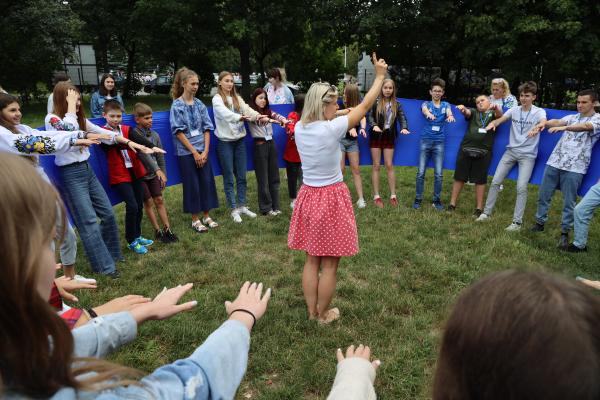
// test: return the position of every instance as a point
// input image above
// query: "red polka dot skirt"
(323, 222)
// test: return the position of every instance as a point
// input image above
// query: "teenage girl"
(90, 207)
(230, 114)
(383, 119)
(191, 126)
(266, 167)
(349, 144)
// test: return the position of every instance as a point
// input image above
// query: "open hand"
(360, 352)
(66, 285)
(557, 129)
(72, 96)
(404, 131)
(98, 136)
(450, 118)
(164, 305)
(250, 299)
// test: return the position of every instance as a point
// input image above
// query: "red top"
(117, 172)
(291, 152)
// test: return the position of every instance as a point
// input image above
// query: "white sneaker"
(235, 214)
(244, 210)
(83, 279)
(272, 213)
(360, 203)
(501, 187)
(482, 217)
(514, 227)
(277, 212)
(293, 204)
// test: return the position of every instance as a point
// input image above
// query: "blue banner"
(406, 153)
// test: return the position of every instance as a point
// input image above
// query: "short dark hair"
(521, 335)
(438, 82)
(60, 76)
(528, 87)
(299, 102)
(110, 105)
(274, 73)
(589, 92)
(141, 109)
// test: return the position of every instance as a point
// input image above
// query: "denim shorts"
(349, 145)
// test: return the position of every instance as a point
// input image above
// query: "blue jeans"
(568, 183)
(434, 151)
(584, 211)
(232, 157)
(93, 216)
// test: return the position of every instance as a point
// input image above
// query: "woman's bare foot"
(330, 315)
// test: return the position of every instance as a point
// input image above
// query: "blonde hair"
(380, 110)
(182, 75)
(318, 96)
(503, 83)
(233, 94)
(30, 208)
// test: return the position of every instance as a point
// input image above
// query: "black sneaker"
(160, 235)
(114, 275)
(574, 249)
(451, 208)
(170, 236)
(537, 227)
(477, 212)
(563, 242)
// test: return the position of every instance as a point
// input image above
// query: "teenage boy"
(569, 161)
(584, 211)
(475, 152)
(156, 175)
(433, 136)
(527, 120)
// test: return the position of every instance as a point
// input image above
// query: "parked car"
(162, 84)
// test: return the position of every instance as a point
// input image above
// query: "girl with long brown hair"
(384, 118)
(80, 187)
(230, 114)
(107, 90)
(49, 364)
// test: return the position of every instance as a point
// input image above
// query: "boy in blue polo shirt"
(433, 136)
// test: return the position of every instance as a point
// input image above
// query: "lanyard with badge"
(522, 122)
(483, 119)
(124, 152)
(437, 128)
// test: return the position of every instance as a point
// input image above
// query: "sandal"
(198, 227)
(209, 222)
(331, 315)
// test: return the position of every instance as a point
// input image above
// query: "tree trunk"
(130, 86)
(244, 49)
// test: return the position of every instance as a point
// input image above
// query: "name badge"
(482, 130)
(195, 132)
(435, 128)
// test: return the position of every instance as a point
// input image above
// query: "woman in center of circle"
(323, 222)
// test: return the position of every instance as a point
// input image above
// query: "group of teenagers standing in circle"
(322, 225)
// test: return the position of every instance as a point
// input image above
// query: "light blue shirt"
(97, 103)
(193, 121)
(213, 371)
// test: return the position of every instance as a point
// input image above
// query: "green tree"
(36, 35)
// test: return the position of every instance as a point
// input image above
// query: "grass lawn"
(394, 295)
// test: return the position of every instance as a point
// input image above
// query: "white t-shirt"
(521, 123)
(318, 144)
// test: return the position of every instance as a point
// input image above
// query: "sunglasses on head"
(331, 88)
